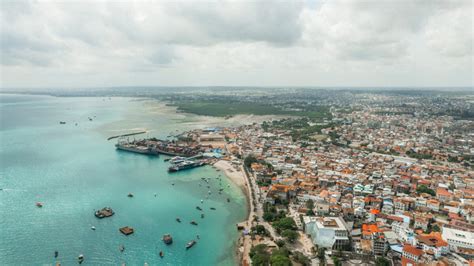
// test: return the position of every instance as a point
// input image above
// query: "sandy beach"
(239, 178)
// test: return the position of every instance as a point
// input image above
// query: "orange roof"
(412, 250)
(374, 211)
(432, 239)
(442, 192)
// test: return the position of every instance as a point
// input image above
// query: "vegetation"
(249, 160)
(381, 261)
(260, 230)
(290, 235)
(259, 255)
(229, 107)
(270, 213)
(416, 155)
(310, 207)
(425, 189)
(280, 257)
(286, 223)
(301, 258)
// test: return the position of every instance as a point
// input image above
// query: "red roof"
(412, 250)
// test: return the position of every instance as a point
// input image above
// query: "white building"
(327, 232)
(458, 238)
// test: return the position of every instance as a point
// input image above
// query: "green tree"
(381, 261)
(284, 224)
(290, 235)
(249, 160)
(425, 189)
(280, 260)
(259, 255)
(301, 258)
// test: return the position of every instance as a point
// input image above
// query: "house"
(411, 255)
(327, 232)
(432, 244)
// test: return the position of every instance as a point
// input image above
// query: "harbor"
(70, 199)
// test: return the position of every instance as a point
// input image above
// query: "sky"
(377, 43)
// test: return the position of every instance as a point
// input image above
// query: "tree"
(280, 260)
(280, 257)
(301, 258)
(259, 255)
(249, 160)
(259, 230)
(310, 207)
(284, 224)
(435, 228)
(290, 235)
(381, 261)
(425, 189)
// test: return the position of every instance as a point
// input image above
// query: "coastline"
(240, 179)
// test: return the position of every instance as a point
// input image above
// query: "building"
(411, 255)
(327, 232)
(458, 239)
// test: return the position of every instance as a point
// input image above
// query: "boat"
(198, 208)
(212, 208)
(162, 254)
(202, 215)
(185, 165)
(130, 195)
(62, 122)
(125, 146)
(228, 200)
(56, 254)
(190, 244)
(167, 239)
(105, 212)
(121, 248)
(178, 220)
(193, 223)
(80, 258)
(93, 227)
(127, 230)
(39, 204)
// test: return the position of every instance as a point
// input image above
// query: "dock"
(126, 135)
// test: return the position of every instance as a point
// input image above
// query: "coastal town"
(373, 186)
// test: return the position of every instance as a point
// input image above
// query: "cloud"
(315, 41)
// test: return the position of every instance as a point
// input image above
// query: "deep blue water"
(74, 170)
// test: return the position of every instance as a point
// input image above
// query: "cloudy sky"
(244, 43)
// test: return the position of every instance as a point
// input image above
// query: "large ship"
(148, 150)
(186, 165)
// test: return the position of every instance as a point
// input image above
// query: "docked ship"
(125, 146)
(186, 165)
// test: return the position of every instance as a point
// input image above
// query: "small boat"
(190, 244)
(202, 215)
(178, 220)
(62, 122)
(39, 204)
(162, 254)
(56, 254)
(121, 248)
(197, 236)
(194, 223)
(202, 200)
(93, 227)
(167, 239)
(228, 200)
(212, 208)
(80, 258)
(199, 208)
(130, 195)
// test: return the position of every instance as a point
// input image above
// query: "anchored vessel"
(136, 148)
(186, 165)
(105, 212)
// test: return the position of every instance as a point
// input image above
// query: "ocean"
(73, 170)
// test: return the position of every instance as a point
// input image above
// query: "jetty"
(126, 135)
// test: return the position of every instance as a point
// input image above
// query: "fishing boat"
(162, 254)
(190, 244)
(194, 223)
(212, 208)
(121, 248)
(80, 258)
(178, 220)
(39, 204)
(167, 239)
(198, 208)
(62, 122)
(202, 215)
(130, 195)
(56, 254)
(228, 200)
(93, 227)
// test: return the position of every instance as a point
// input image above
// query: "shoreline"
(239, 178)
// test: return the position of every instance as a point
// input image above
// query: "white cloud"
(323, 43)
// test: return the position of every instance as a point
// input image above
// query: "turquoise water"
(73, 170)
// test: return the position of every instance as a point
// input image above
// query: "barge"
(186, 165)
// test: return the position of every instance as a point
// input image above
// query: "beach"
(240, 179)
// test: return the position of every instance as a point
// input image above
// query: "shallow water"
(74, 170)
